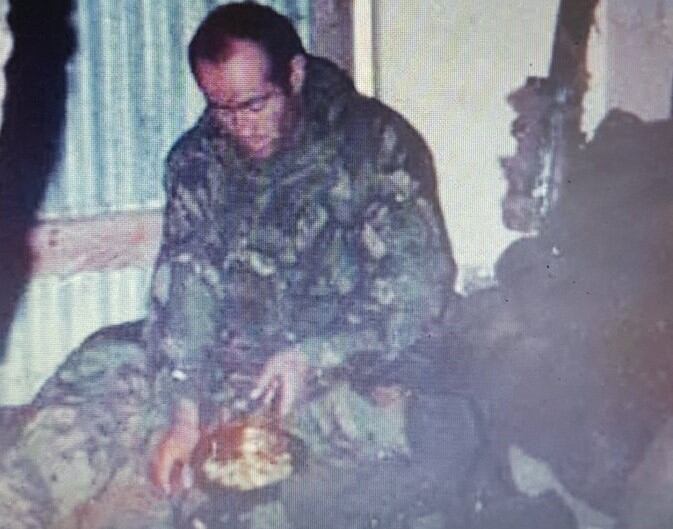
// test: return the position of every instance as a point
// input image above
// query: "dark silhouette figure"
(31, 134)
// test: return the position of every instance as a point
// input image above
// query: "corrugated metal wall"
(56, 314)
(130, 96)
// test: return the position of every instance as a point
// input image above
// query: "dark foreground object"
(572, 351)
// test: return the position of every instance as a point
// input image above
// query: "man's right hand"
(283, 379)
(170, 469)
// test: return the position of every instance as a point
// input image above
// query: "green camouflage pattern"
(336, 246)
(83, 440)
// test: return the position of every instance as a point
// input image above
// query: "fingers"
(288, 394)
(265, 379)
(170, 469)
(162, 464)
(273, 388)
(267, 393)
(224, 415)
(281, 381)
(187, 477)
(273, 385)
(186, 414)
(172, 475)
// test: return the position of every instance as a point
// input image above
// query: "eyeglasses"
(229, 115)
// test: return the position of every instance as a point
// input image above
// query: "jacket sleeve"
(185, 287)
(406, 269)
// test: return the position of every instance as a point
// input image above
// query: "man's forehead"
(241, 72)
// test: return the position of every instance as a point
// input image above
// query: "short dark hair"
(273, 32)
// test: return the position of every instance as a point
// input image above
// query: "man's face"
(258, 114)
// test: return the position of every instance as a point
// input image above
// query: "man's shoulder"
(365, 127)
(192, 143)
(379, 136)
(191, 154)
(378, 120)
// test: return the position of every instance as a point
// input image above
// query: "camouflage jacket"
(336, 246)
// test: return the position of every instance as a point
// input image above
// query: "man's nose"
(242, 124)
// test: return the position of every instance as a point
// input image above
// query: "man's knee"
(88, 420)
(444, 435)
(88, 372)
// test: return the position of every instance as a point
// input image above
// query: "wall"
(631, 60)
(448, 67)
(640, 56)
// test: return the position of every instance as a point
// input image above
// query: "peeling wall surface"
(448, 67)
(465, 58)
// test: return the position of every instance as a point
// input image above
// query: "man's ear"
(297, 73)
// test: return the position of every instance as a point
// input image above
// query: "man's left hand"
(282, 381)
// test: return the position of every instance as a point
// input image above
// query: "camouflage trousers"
(79, 457)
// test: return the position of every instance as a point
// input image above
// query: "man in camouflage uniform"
(303, 248)
(302, 228)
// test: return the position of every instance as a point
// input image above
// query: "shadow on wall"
(30, 138)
